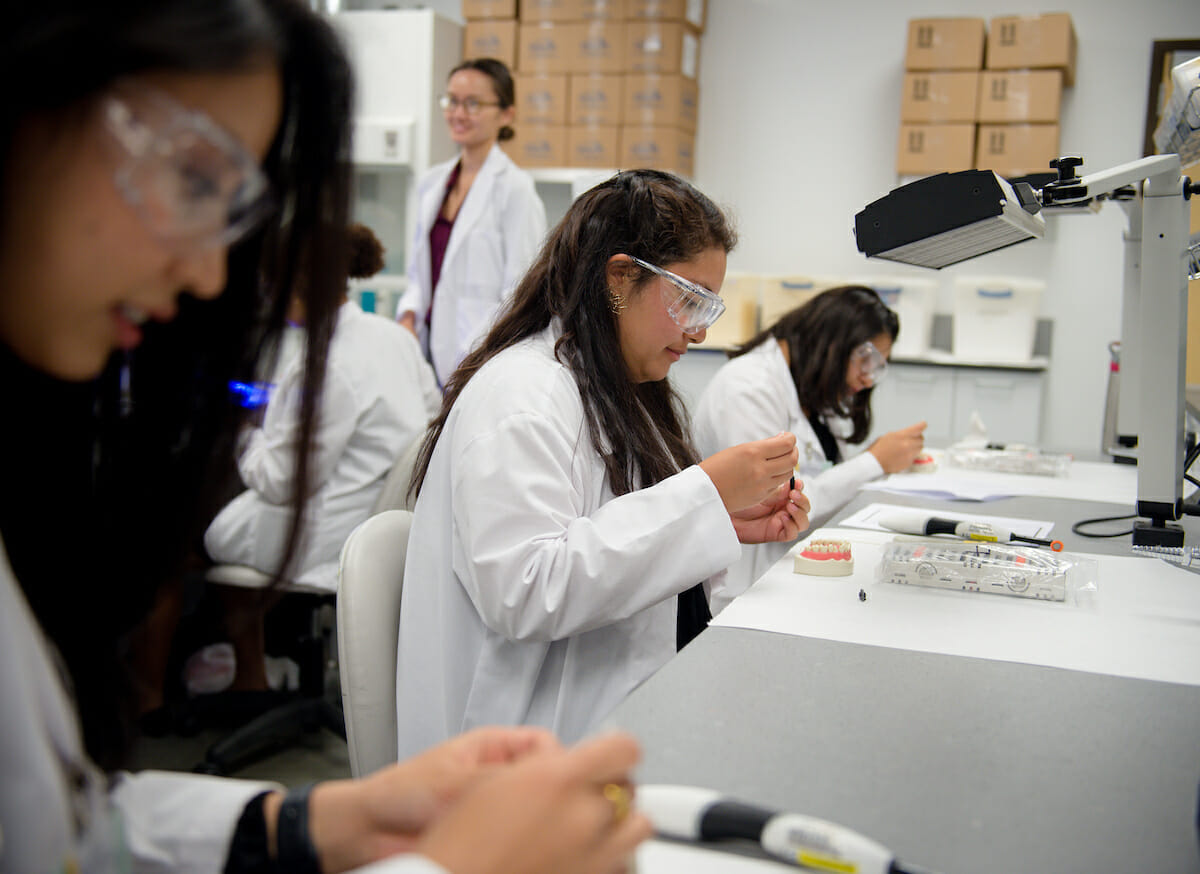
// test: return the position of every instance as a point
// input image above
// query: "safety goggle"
(192, 184)
(693, 307)
(870, 362)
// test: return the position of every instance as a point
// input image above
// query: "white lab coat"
(753, 397)
(58, 811)
(495, 237)
(532, 595)
(379, 396)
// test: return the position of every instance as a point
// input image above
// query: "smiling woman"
(141, 271)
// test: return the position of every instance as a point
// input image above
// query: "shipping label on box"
(662, 47)
(940, 97)
(541, 99)
(1017, 149)
(595, 99)
(1020, 95)
(935, 148)
(546, 48)
(592, 145)
(599, 47)
(538, 145)
(489, 9)
(691, 11)
(491, 39)
(1034, 42)
(657, 148)
(654, 100)
(549, 10)
(610, 10)
(945, 44)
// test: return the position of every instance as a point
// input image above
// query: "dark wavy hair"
(647, 214)
(820, 336)
(502, 83)
(129, 479)
(366, 252)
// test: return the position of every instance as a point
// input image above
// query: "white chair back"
(370, 581)
(395, 488)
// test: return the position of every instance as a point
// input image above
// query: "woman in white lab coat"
(479, 221)
(126, 178)
(379, 395)
(564, 523)
(811, 374)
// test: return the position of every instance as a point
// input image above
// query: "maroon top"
(439, 239)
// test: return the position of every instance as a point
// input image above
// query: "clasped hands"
(489, 800)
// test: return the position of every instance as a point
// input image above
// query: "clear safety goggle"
(192, 184)
(693, 307)
(870, 362)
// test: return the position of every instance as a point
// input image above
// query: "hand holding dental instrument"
(692, 813)
(967, 530)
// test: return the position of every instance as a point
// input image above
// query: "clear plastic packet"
(991, 568)
(1011, 459)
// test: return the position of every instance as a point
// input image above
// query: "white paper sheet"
(1086, 481)
(868, 516)
(1143, 621)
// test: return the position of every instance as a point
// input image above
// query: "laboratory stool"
(315, 706)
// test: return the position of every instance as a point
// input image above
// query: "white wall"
(799, 112)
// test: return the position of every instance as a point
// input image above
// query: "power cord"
(1077, 527)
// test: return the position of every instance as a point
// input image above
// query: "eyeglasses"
(470, 104)
(693, 307)
(192, 184)
(870, 362)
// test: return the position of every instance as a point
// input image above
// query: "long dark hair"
(114, 487)
(820, 336)
(502, 84)
(647, 214)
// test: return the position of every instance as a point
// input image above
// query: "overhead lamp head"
(947, 218)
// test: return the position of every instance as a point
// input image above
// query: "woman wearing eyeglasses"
(479, 221)
(156, 196)
(565, 524)
(810, 374)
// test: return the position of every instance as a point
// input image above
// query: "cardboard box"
(654, 100)
(592, 145)
(739, 322)
(491, 39)
(691, 11)
(1033, 42)
(541, 99)
(595, 99)
(538, 145)
(1017, 149)
(475, 9)
(657, 148)
(1008, 96)
(925, 149)
(945, 44)
(572, 47)
(573, 10)
(666, 47)
(940, 97)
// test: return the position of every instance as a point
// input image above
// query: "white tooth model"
(825, 558)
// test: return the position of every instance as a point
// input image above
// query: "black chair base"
(273, 730)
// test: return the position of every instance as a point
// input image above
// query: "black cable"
(1077, 527)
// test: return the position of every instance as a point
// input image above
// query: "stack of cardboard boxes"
(600, 83)
(959, 113)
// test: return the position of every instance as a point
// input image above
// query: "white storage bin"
(782, 294)
(995, 318)
(913, 301)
